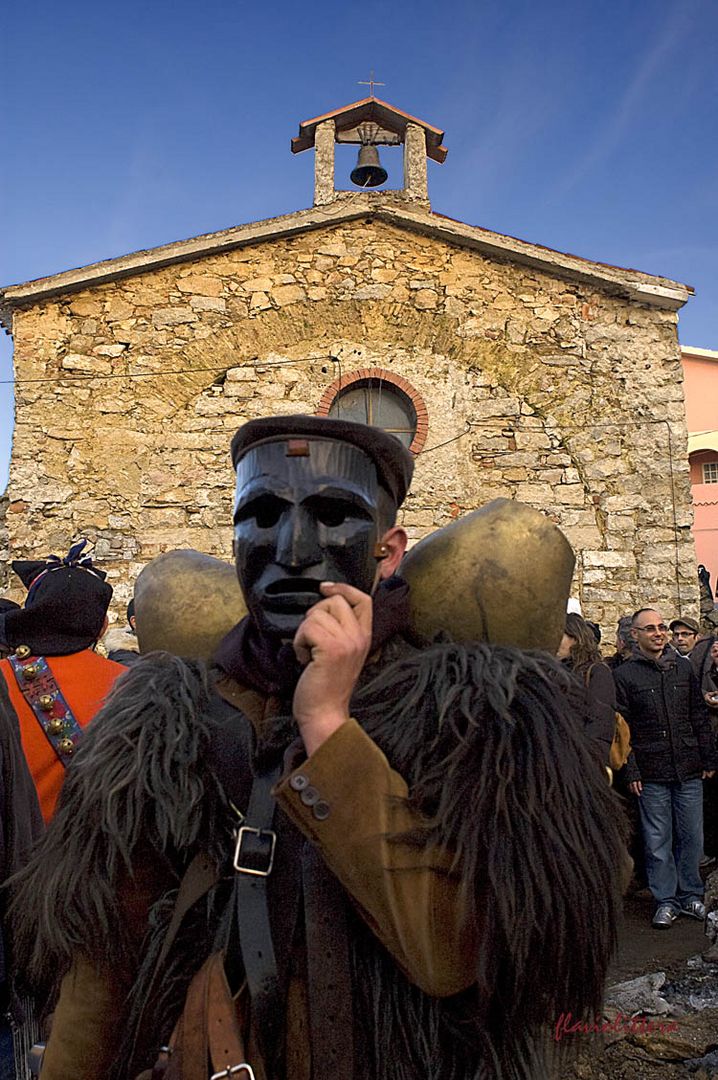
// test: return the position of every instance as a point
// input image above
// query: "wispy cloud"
(620, 122)
(498, 123)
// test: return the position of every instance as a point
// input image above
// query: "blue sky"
(587, 127)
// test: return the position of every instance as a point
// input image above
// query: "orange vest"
(85, 679)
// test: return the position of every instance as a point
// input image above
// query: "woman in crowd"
(580, 653)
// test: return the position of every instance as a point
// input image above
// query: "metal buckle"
(250, 870)
(232, 1070)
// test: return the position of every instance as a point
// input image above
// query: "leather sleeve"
(350, 803)
(86, 1026)
(88, 1022)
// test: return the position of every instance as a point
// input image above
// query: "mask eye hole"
(332, 512)
(265, 511)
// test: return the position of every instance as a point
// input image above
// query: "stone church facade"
(529, 374)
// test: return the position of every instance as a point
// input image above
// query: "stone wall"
(4, 548)
(537, 389)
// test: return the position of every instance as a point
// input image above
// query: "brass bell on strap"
(22, 652)
(66, 746)
(369, 171)
(31, 671)
(56, 725)
(46, 702)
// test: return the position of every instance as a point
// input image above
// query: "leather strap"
(331, 1019)
(208, 1032)
(253, 859)
(193, 1041)
(200, 876)
(226, 1045)
(39, 688)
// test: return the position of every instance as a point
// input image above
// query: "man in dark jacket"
(659, 695)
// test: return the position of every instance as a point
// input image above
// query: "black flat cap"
(394, 463)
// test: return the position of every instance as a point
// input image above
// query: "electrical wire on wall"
(508, 421)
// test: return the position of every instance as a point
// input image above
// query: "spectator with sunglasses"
(673, 751)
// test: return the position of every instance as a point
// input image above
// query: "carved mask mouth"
(292, 594)
(290, 586)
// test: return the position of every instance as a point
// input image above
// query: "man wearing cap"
(368, 839)
(54, 679)
(684, 634)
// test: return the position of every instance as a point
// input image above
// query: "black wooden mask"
(306, 511)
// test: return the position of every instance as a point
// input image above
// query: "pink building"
(700, 369)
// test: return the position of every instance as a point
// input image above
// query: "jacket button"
(321, 810)
(298, 782)
(310, 796)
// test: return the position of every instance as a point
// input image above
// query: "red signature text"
(627, 1025)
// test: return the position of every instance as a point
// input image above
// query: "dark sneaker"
(696, 909)
(665, 917)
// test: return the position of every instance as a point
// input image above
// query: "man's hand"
(333, 641)
(708, 775)
(635, 787)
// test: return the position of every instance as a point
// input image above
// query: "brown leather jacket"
(407, 896)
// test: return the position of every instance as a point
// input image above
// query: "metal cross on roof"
(371, 83)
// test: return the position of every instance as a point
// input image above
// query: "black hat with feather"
(65, 608)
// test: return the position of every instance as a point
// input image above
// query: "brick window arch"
(379, 398)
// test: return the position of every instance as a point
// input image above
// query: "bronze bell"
(369, 171)
(31, 671)
(56, 726)
(22, 652)
(66, 746)
(46, 702)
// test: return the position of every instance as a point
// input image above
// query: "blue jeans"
(672, 825)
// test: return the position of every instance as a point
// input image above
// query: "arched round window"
(381, 400)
